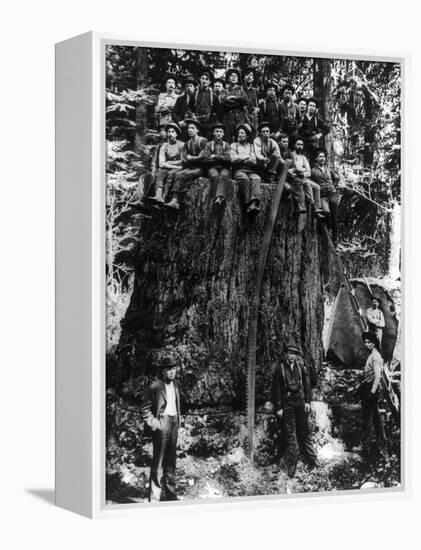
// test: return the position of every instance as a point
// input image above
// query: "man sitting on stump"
(192, 163)
(217, 160)
(169, 162)
(291, 393)
(244, 165)
(267, 152)
(302, 171)
(328, 181)
(160, 411)
(293, 183)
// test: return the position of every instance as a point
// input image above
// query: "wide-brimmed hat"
(189, 79)
(244, 126)
(165, 362)
(320, 150)
(218, 125)
(219, 79)
(263, 124)
(287, 87)
(205, 71)
(173, 125)
(290, 347)
(168, 77)
(250, 70)
(371, 337)
(193, 121)
(233, 70)
(272, 85)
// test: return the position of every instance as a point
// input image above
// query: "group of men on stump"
(220, 128)
(291, 399)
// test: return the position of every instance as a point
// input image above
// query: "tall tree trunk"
(322, 89)
(194, 279)
(142, 81)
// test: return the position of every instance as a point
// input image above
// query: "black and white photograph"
(253, 274)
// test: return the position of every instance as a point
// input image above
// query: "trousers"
(220, 176)
(371, 416)
(248, 185)
(164, 443)
(312, 193)
(330, 206)
(183, 178)
(297, 431)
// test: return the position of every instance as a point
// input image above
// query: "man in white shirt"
(166, 101)
(375, 319)
(161, 412)
(370, 394)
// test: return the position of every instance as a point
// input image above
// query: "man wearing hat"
(370, 394)
(312, 128)
(166, 101)
(267, 152)
(253, 101)
(169, 161)
(192, 163)
(233, 103)
(328, 181)
(302, 172)
(244, 165)
(184, 105)
(270, 109)
(375, 319)
(291, 394)
(290, 117)
(220, 92)
(216, 156)
(160, 411)
(204, 102)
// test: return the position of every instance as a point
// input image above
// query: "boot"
(158, 198)
(173, 204)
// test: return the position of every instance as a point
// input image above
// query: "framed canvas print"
(229, 311)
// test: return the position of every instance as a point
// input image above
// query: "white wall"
(29, 31)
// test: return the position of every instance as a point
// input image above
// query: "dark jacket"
(290, 117)
(154, 403)
(270, 112)
(183, 108)
(309, 127)
(293, 384)
(328, 179)
(193, 147)
(221, 152)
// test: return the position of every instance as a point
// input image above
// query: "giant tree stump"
(195, 275)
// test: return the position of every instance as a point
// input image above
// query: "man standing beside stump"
(291, 393)
(161, 412)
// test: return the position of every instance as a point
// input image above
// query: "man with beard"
(289, 113)
(312, 128)
(291, 394)
(243, 160)
(234, 103)
(166, 101)
(293, 183)
(204, 103)
(216, 158)
(301, 171)
(302, 109)
(267, 152)
(191, 161)
(184, 105)
(328, 181)
(169, 162)
(253, 102)
(370, 394)
(160, 411)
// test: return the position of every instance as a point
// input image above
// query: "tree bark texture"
(195, 275)
(141, 109)
(322, 88)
